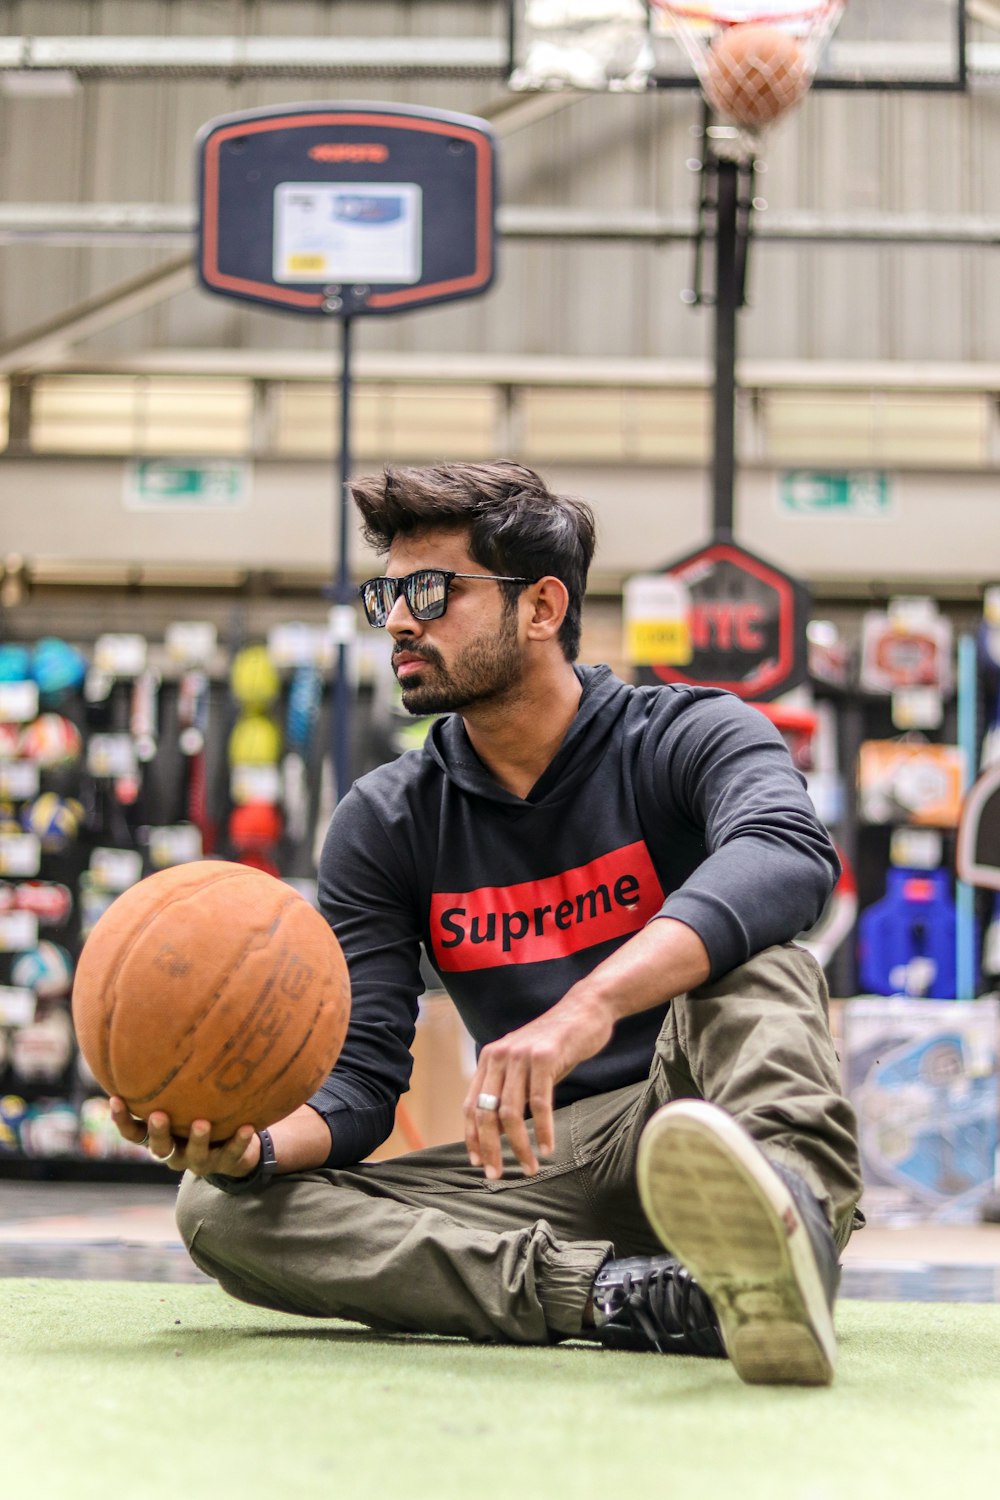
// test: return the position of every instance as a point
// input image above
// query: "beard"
(484, 671)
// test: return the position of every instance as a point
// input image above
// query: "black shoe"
(651, 1302)
(752, 1235)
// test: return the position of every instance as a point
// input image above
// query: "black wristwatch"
(257, 1179)
(268, 1162)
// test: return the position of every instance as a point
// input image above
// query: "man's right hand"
(235, 1157)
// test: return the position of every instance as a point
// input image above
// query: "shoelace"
(670, 1309)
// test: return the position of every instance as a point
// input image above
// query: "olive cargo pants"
(424, 1243)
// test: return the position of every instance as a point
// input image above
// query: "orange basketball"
(214, 992)
(753, 74)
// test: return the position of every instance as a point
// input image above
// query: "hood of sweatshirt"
(603, 700)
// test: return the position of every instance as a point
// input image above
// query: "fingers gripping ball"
(214, 992)
(753, 74)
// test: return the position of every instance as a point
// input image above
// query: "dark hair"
(514, 523)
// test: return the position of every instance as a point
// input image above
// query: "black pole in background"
(725, 209)
(727, 301)
(342, 591)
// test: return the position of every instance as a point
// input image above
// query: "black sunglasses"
(425, 592)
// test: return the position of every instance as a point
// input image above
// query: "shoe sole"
(716, 1203)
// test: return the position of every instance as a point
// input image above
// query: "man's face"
(468, 657)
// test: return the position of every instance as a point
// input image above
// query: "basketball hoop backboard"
(879, 45)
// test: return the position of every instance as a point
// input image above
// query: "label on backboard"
(354, 232)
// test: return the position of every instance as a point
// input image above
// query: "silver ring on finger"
(162, 1158)
(489, 1102)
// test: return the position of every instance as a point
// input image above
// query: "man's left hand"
(520, 1071)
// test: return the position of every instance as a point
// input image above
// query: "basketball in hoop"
(754, 74)
(755, 59)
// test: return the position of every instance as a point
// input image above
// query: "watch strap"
(257, 1179)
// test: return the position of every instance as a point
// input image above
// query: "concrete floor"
(124, 1231)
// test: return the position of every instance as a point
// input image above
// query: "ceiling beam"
(54, 337)
(271, 56)
(175, 225)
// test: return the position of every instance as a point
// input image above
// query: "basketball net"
(755, 59)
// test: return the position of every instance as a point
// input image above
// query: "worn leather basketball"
(214, 992)
(753, 74)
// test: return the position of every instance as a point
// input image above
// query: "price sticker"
(111, 755)
(191, 643)
(296, 644)
(115, 869)
(174, 844)
(18, 931)
(19, 780)
(20, 854)
(255, 784)
(120, 655)
(18, 702)
(17, 1005)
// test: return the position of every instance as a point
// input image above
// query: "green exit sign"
(856, 494)
(176, 484)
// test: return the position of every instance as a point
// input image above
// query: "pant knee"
(204, 1214)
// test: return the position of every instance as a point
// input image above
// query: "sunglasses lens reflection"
(426, 594)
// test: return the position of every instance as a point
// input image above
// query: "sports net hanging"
(755, 59)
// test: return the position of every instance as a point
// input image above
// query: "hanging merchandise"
(828, 653)
(18, 700)
(254, 753)
(99, 1137)
(47, 900)
(193, 702)
(41, 1052)
(143, 725)
(55, 821)
(10, 741)
(47, 969)
(254, 678)
(50, 1128)
(115, 870)
(910, 781)
(52, 742)
(254, 826)
(18, 930)
(119, 655)
(58, 668)
(111, 781)
(12, 1112)
(174, 844)
(907, 652)
(15, 662)
(94, 902)
(305, 693)
(255, 829)
(255, 741)
(906, 941)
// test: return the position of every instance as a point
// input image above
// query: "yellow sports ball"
(254, 677)
(255, 741)
(54, 820)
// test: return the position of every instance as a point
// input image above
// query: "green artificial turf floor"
(136, 1391)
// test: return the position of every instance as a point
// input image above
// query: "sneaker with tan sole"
(752, 1235)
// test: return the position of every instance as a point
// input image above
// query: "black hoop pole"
(727, 302)
(343, 594)
(733, 183)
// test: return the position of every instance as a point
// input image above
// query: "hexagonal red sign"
(747, 623)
